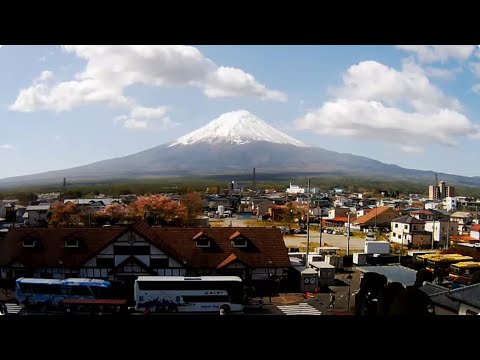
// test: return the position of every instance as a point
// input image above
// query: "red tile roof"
(476, 227)
(463, 238)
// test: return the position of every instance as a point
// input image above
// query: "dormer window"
(239, 241)
(71, 242)
(29, 242)
(203, 242)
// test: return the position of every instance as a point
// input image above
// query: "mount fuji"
(233, 143)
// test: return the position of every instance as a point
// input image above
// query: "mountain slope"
(231, 144)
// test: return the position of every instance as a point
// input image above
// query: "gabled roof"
(407, 219)
(265, 247)
(52, 249)
(375, 213)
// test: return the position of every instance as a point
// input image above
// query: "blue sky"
(414, 105)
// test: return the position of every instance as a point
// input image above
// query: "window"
(414, 227)
(396, 225)
(71, 242)
(159, 263)
(106, 262)
(239, 242)
(406, 227)
(203, 242)
(29, 242)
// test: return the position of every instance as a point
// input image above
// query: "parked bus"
(464, 268)
(35, 292)
(189, 294)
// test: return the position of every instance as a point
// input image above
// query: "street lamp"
(349, 280)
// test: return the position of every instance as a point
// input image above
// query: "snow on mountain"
(237, 127)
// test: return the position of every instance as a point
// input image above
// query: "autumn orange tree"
(157, 209)
(112, 213)
(61, 213)
(193, 203)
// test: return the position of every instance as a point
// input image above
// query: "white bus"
(189, 294)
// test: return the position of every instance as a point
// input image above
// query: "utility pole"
(321, 223)
(433, 230)
(348, 233)
(308, 223)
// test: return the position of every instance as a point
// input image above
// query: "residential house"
(441, 230)
(37, 215)
(410, 232)
(463, 218)
(380, 217)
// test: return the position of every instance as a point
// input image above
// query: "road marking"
(13, 309)
(299, 309)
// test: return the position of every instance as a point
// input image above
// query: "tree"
(156, 209)
(193, 204)
(60, 213)
(292, 212)
(112, 213)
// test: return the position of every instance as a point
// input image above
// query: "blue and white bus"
(189, 294)
(35, 292)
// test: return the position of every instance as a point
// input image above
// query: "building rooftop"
(394, 273)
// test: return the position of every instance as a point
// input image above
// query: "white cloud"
(370, 80)
(412, 149)
(401, 107)
(7, 147)
(135, 124)
(1, 46)
(111, 69)
(441, 73)
(140, 117)
(231, 82)
(442, 53)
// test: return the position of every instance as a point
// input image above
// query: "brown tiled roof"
(51, 248)
(265, 246)
(367, 218)
(475, 227)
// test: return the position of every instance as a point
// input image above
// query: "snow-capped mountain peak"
(237, 127)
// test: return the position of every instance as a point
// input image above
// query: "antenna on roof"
(436, 178)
